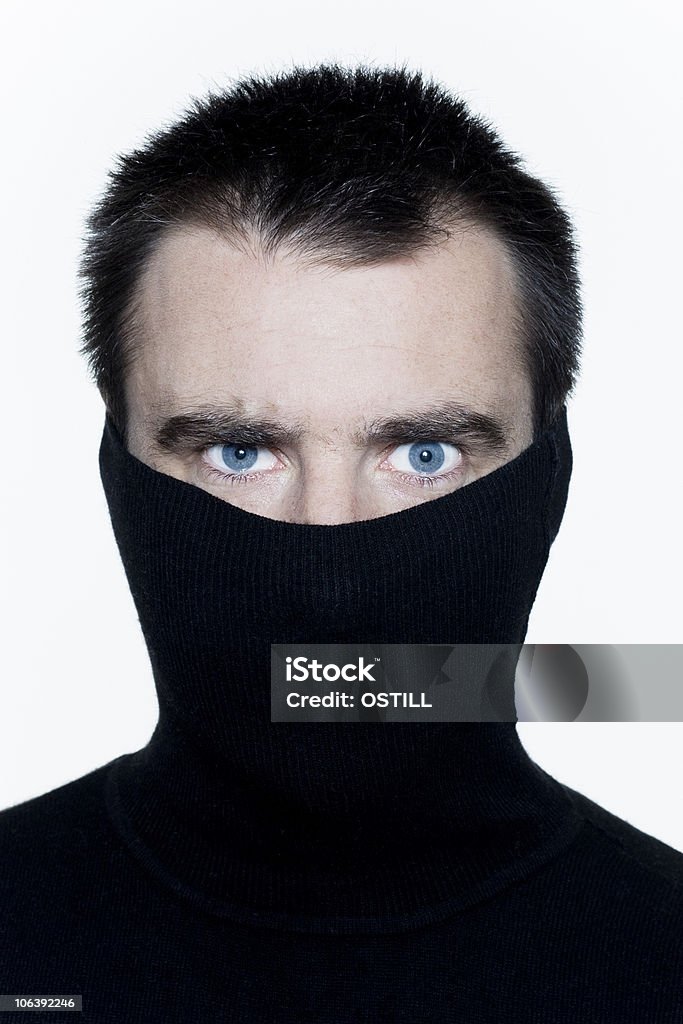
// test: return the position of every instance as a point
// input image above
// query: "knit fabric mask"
(330, 826)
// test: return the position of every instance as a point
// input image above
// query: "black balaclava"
(332, 827)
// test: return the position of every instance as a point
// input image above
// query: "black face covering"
(332, 827)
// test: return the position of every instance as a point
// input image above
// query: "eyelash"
(413, 479)
(231, 478)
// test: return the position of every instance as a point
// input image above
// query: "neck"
(450, 822)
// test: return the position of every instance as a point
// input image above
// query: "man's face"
(318, 395)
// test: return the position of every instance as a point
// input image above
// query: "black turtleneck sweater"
(236, 869)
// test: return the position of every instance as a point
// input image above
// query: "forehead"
(216, 317)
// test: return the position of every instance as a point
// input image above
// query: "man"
(335, 325)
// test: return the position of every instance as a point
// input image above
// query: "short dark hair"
(347, 166)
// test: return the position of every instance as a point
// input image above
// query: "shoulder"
(66, 880)
(53, 843)
(54, 812)
(629, 881)
(647, 857)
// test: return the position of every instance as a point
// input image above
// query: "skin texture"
(330, 350)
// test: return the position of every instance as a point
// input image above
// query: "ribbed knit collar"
(330, 827)
(481, 816)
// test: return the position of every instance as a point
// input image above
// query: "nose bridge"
(329, 491)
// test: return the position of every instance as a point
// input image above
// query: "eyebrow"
(475, 432)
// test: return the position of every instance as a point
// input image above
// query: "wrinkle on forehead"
(333, 344)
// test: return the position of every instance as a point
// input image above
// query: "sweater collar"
(476, 816)
(330, 827)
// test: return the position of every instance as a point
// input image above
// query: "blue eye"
(238, 458)
(238, 463)
(424, 462)
(426, 458)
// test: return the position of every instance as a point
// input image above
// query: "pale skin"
(331, 352)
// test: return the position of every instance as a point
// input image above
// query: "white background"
(587, 92)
